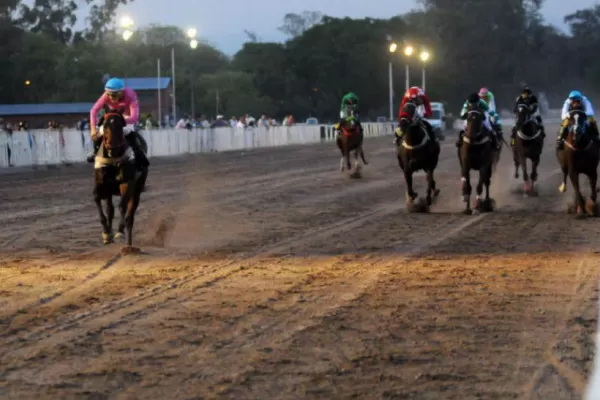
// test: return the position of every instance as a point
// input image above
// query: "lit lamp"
(424, 57)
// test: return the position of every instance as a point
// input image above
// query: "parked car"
(438, 120)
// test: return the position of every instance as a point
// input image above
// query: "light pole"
(392, 49)
(408, 52)
(191, 34)
(424, 56)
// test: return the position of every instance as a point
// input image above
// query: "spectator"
(233, 122)
(183, 123)
(220, 122)
(241, 122)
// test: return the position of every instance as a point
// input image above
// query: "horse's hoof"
(419, 206)
(591, 208)
(571, 209)
(581, 215)
(107, 238)
(436, 192)
(562, 188)
(468, 211)
(487, 205)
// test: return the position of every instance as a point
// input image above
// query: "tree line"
(473, 43)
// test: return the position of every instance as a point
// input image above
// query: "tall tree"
(296, 24)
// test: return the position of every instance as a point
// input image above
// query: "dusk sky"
(222, 22)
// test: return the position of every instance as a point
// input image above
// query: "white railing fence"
(43, 147)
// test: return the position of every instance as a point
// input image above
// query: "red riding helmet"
(414, 92)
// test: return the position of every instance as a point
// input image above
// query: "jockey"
(474, 102)
(487, 96)
(576, 100)
(117, 96)
(350, 101)
(416, 95)
(530, 100)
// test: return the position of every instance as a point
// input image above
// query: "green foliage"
(474, 43)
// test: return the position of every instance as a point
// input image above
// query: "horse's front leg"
(466, 190)
(479, 188)
(578, 197)
(110, 214)
(516, 161)
(106, 231)
(591, 206)
(431, 189)
(411, 195)
(122, 210)
(535, 162)
(526, 184)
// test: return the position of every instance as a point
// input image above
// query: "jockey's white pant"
(486, 123)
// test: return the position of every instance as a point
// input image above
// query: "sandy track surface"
(268, 274)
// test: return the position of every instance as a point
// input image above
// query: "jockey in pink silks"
(117, 97)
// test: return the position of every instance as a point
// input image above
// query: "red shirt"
(421, 100)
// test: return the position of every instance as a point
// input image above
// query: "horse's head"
(577, 126)
(408, 115)
(113, 137)
(475, 120)
(523, 114)
(577, 121)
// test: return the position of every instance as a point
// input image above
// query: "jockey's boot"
(141, 160)
(595, 133)
(459, 142)
(560, 140)
(92, 155)
(542, 131)
(496, 140)
(398, 134)
(541, 126)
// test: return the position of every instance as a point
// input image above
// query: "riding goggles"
(114, 95)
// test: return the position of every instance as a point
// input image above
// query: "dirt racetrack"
(268, 274)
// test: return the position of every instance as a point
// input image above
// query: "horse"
(350, 139)
(580, 155)
(527, 144)
(417, 151)
(477, 153)
(116, 174)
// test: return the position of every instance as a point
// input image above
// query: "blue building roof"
(44, 109)
(147, 83)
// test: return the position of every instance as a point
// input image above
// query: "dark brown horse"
(350, 139)
(477, 153)
(417, 151)
(580, 155)
(528, 144)
(116, 174)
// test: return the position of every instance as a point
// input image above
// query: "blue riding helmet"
(114, 85)
(575, 95)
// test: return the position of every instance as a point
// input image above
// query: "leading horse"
(477, 153)
(417, 150)
(117, 174)
(528, 144)
(580, 155)
(350, 139)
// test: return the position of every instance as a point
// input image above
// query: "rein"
(486, 139)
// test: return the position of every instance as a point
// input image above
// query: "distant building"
(147, 91)
(37, 116)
